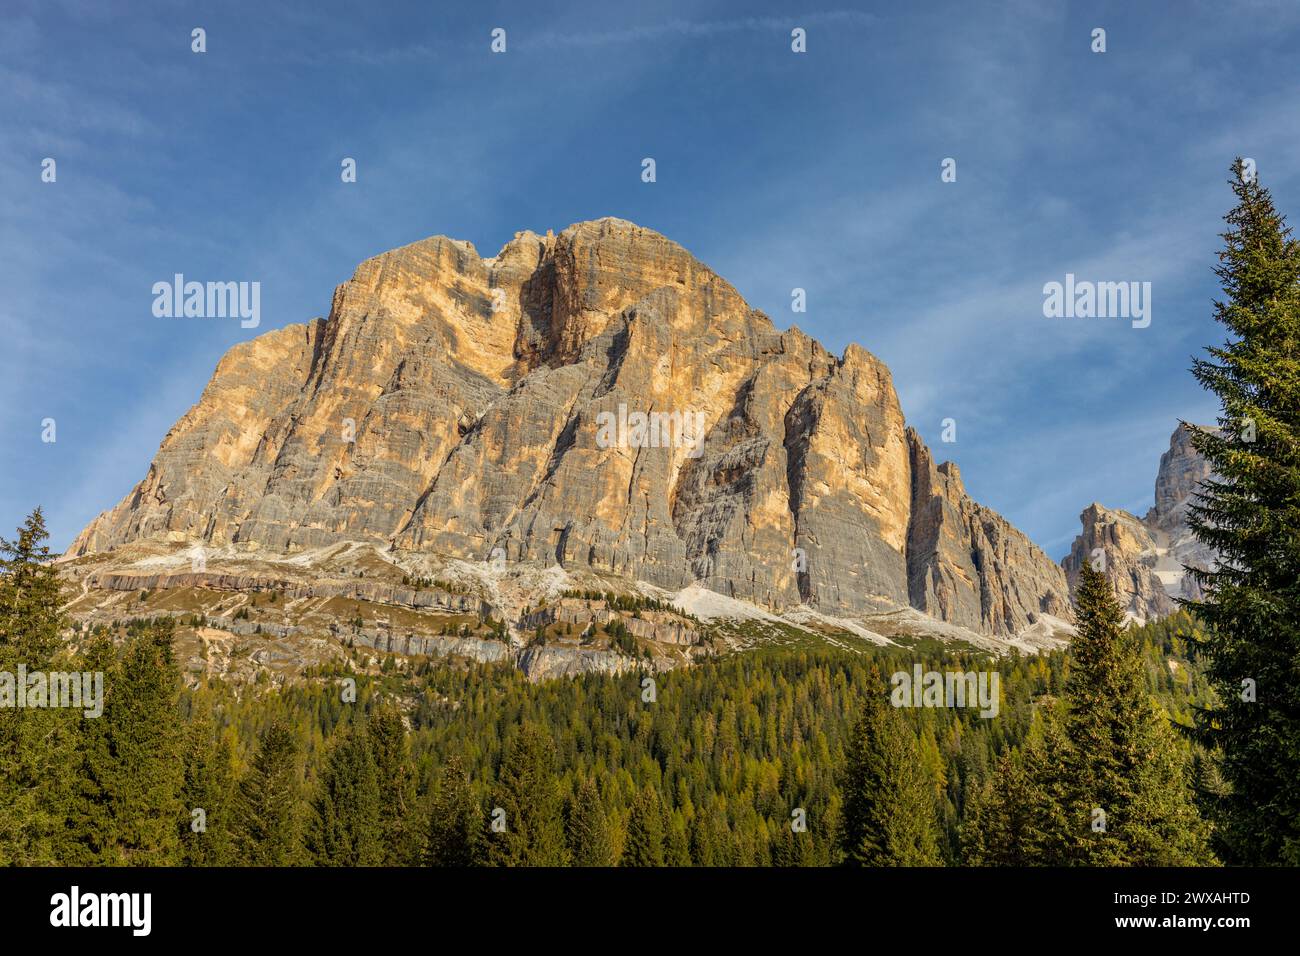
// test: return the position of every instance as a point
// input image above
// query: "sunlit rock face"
(598, 399)
(1144, 558)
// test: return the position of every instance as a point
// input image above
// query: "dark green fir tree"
(587, 828)
(644, 845)
(455, 832)
(526, 805)
(889, 816)
(268, 819)
(1249, 513)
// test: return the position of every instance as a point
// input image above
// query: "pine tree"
(1249, 513)
(128, 806)
(528, 792)
(268, 831)
(1128, 799)
(889, 816)
(35, 744)
(1017, 817)
(345, 828)
(30, 619)
(704, 840)
(644, 845)
(388, 742)
(587, 828)
(209, 787)
(786, 851)
(677, 846)
(455, 835)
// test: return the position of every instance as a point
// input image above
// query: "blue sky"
(779, 170)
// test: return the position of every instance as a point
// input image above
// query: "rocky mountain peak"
(1144, 557)
(1182, 469)
(596, 399)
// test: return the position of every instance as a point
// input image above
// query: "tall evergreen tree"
(588, 828)
(889, 816)
(209, 787)
(398, 831)
(455, 834)
(345, 829)
(705, 840)
(128, 808)
(528, 792)
(30, 619)
(1128, 798)
(677, 842)
(1017, 816)
(35, 744)
(268, 827)
(1249, 512)
(644, 845)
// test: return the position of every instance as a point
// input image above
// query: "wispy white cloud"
(685, 29)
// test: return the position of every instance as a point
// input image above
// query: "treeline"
(780, 757)
(1104, 778)
(634, 603)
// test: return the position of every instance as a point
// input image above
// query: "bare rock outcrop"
(598, 399)
(1127, 551)
(968, 565)
(1144, 558)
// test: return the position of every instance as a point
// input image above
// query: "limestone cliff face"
(459, 405)
(967, 564)
(1182, 469)
(1127, 550)
(1144, 557)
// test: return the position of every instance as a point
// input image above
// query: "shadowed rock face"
(458, 405)
(967, 565)
(1182, 469)
(1130, 549)
(1144, 557)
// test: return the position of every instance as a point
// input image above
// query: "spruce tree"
(587, 828)
(1249, 513)
(209, 786)
(345, 829)
(705, 840)
(455, 832)
(1017, 816)
(30, 596)
(786, 851)
(889, 815)
(399, 833)
(268, 828)
(527, 791)
(677, 844)
(35, 744)
(128, 806)
(1127, 796)
(644, 845)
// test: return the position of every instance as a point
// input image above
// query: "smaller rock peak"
(608, 224)
(856, 355)
(952, 473)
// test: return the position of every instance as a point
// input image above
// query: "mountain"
(1144, 557)
(597, 403)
